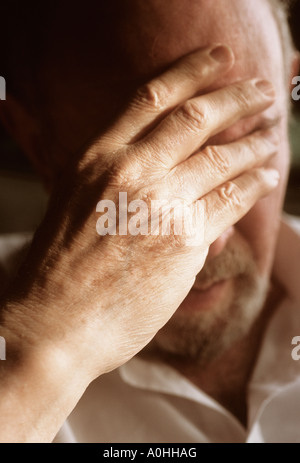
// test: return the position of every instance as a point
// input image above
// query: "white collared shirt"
(150, 402)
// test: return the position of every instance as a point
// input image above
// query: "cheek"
(260, 226)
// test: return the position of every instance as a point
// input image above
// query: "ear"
(294, 68)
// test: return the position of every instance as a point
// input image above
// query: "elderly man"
(158, 100)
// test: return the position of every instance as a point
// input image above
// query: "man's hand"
(84, 304)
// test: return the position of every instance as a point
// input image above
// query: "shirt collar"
(159, 377)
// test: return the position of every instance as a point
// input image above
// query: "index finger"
(189, 75)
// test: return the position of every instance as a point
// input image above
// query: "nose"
(217, 246)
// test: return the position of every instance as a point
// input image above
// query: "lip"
(208, 286)
(200, 299)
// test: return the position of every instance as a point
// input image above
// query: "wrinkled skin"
(88, 304)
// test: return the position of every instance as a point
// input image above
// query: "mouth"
(206, 296)
(203, 286)
(209, 292)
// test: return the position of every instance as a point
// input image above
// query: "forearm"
(39, 387)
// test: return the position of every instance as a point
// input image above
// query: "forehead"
(159, 32)
(141, 37)
(117, 50)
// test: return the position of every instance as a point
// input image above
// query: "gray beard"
(201, 336)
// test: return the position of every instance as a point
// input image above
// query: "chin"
(210, 320)
(228, 295)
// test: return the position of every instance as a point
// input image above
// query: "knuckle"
(123, 172)
(152, 95)
(149, 194)
(217, 161)
(118, 177)
(230, 194)
(155, 197)
(193, 116)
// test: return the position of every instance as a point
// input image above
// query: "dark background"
(23, 200)
(292, 203)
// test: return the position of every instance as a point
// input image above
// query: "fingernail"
(222, 54)
(272, 176)
(265, 87)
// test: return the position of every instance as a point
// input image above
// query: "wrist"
(38, 390)
(40, 381)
